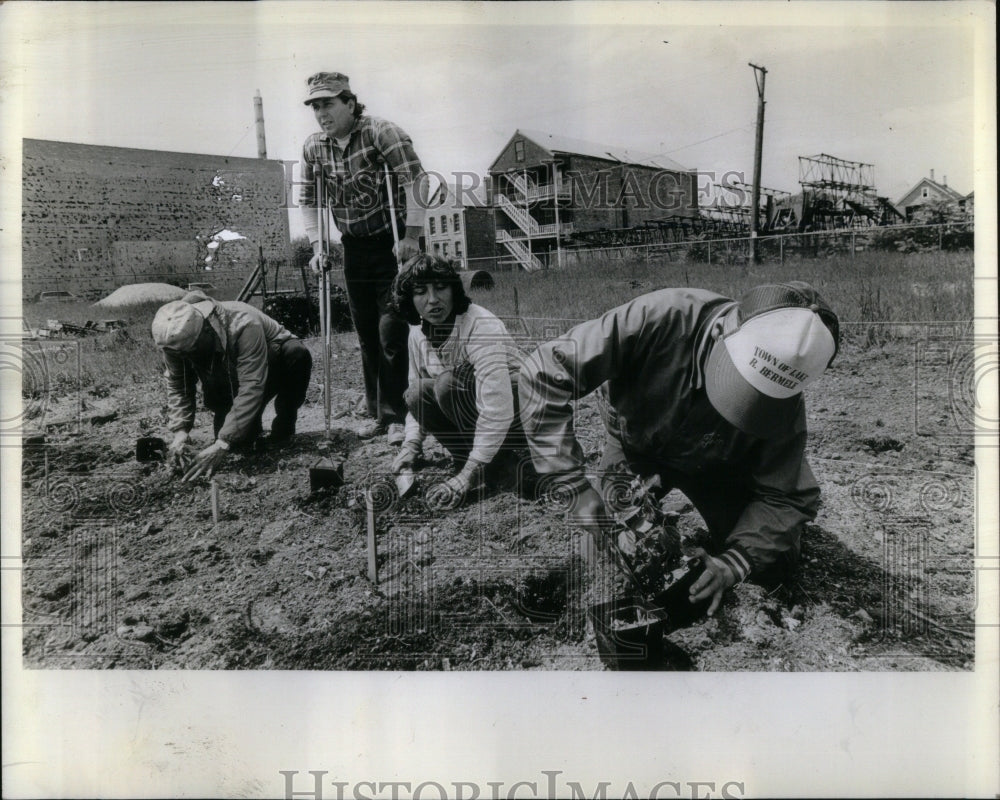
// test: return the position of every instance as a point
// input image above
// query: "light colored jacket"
(247, 340)
(481, 339)
(647, 357)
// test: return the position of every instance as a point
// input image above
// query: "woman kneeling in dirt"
(463, 379)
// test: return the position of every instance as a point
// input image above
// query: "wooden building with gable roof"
(928, 191)
(546, 189)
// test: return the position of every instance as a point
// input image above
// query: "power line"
(244, 136)
(710, 138)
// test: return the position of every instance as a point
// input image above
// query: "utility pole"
(258, 112)
(759, 75)
(555, 201)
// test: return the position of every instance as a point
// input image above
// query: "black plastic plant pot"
(675, 599)
(150, 448)
(629, 637)
(325, 474)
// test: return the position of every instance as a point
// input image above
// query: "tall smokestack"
(945, 179)
(932, 174)
(258, 112)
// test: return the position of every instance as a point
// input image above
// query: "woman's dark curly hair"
(419, 271)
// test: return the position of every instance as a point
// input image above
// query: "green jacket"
(247, 339)
(647, 357)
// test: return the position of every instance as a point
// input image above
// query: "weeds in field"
(869, 288)
(873, 309)
(116, 358)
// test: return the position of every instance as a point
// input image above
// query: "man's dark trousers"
(369, 269)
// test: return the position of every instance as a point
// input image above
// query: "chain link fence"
(770, 249)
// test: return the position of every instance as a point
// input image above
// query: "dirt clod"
(882, 444)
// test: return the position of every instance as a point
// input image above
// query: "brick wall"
(171, 262)
(95, 218)
(629, 195)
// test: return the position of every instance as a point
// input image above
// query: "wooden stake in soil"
(214, 491)
(372, 547)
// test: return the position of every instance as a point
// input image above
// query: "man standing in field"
(242, 358)
(704, 392)
(349, 154)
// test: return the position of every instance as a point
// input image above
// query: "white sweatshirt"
(481, 339)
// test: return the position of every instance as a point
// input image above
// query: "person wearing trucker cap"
(705, 393)
(351, 152)
(242, 358)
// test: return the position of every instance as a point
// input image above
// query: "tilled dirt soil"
(123, 566)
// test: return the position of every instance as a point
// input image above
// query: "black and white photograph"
(499, 399)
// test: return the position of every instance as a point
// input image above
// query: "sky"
(888, 84)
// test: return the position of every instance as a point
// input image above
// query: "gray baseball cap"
(326, 84)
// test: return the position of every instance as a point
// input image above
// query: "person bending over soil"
(242, 358)
(705, 393)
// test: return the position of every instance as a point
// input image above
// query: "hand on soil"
(178, 453)
(206, 461)
(449, 494)
(713, 582)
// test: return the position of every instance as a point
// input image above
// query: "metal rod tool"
(391, 192)
(324, 292)
(372, 543)
(214, 494)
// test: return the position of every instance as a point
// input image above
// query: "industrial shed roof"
(565, 144)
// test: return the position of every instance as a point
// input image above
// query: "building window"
(923, 192)
(455, 225)
(444, 224)
(458, 249)
(430, 222)
(437, 249)
(519, 150)
(444, 251)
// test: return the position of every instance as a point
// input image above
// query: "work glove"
(405, 458)
(207, 460)
(450, 493)
(320, 262)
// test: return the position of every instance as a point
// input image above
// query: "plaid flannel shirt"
(355, 176)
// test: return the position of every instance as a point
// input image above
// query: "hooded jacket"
(246, 340)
